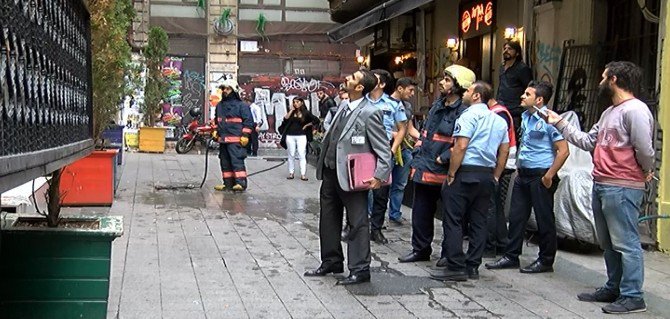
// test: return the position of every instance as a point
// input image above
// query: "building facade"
(276, 49)
(565, 42)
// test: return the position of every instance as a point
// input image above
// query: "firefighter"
(431, 162)
(234, 126)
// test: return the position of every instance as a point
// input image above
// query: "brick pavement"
(207, 254)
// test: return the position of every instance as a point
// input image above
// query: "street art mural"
(173, 110)
(275, 94)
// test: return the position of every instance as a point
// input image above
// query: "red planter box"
(90, 180)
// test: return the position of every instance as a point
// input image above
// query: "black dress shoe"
(413, 256)
(442, 262)
(503, 263)
(356, 278)
(448, 275)
(377, 236)
(536, 267)
(473, 273)
(324, 270)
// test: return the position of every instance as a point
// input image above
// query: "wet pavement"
(198, 253)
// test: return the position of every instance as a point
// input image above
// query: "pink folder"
(362, 167)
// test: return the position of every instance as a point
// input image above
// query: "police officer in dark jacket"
(234, 125)
(514, 78)
(430, 164)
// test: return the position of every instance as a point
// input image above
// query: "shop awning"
(384, 12)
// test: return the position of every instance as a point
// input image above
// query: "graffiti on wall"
(548, 61)
(193, 90)
(172, 107)
(275, 94)
(304, 85)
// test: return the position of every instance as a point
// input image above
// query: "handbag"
(282, 130)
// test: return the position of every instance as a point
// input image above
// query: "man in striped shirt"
(623, 158)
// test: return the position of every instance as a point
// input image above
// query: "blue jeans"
(616, 211)
(400, 174)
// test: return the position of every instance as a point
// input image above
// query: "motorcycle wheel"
(184, 146)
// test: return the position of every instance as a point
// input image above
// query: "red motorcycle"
(195, 132)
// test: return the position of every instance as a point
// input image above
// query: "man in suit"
(357, 128)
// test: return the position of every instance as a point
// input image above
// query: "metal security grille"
(578, 79)
(45, 74)
(577, 90)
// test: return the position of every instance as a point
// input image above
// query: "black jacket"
(436, 140)
(233, 120)
(325, 105)
(512, 84)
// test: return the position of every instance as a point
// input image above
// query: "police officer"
(234, 125)
(430, 164)
(477, 160)
(542, 153)
(394, 118)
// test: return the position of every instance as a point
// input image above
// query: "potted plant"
(56, 267)
(223, 25)
(152, 139)
(91, 180)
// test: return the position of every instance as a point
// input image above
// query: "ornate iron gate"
(45, 87)
(577, 83)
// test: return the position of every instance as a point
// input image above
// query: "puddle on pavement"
(385, 283)
(174, 198)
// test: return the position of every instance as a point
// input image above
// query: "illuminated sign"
(477, 18)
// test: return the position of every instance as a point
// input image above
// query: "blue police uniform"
(468, 197)
(393, 113)
(428, 175)
(536, 155)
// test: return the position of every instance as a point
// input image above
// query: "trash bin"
(113, 137)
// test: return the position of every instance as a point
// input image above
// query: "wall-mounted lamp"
(360, 59)
(510, 33)
(452, 44)
(398, 60)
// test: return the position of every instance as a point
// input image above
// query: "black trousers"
(529, 192)
(333, 200)
(516, 112)
(380, 202)
(252, 147)
(496, 220)
(423, 216)
(231, 156)
(380, 199)
(468, 198)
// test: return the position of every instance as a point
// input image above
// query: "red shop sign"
(477, 18)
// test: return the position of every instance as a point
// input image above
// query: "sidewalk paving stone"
(198, 253)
